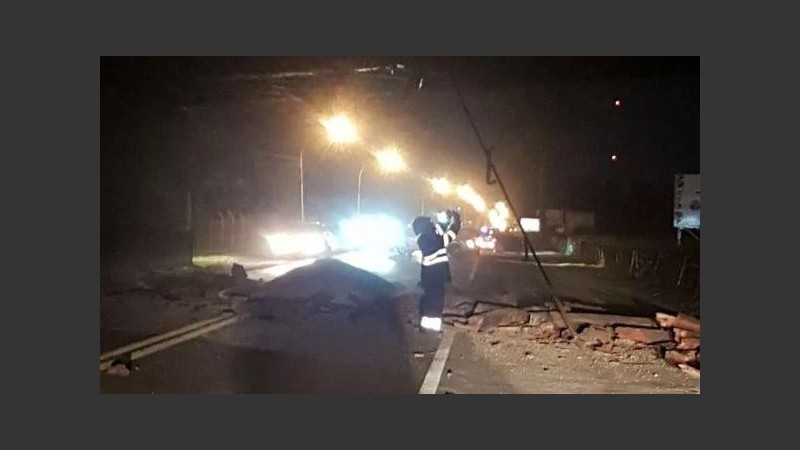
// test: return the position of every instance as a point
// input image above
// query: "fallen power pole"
(493, 177)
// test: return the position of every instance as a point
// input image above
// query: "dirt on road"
(509, 362)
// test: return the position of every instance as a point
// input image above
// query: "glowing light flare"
(441, 186)
(307, 244)
(498, 216)
(372, 232)
(466, 193)
(340, 129)
(486, 243)
(501, 207)
(390, 160)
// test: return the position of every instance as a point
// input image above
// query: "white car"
(485, 240)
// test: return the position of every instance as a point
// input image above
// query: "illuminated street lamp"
(468, 194)
(441, 186)
(340, 129)
(389, 160)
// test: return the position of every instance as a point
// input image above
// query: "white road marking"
(163, 337)
(141, 352)
(434, 375)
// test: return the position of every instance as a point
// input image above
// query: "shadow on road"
(322, 352)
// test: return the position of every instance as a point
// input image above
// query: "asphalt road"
(327, 352)
(255, 356)
(271, 352)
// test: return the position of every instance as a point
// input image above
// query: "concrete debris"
(538, 318)
(545, 331)
(594, 336)
(689, 370)
(603, 320)
(482, 308)
(681, 333)
(503, 318)
(687, 322)
(238, 273)
(475, 322)
(120, 368)
(514, 329)
(466, 327)
(688, 344)
(684, 349)
(678, 357)
(643, 335)
(626, 343)
(462, 309)
(539, 308)
(118, 371)
(556, 319)
(450, 320)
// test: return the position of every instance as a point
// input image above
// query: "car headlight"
(308, 244)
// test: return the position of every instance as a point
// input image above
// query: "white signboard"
(687, 201)
(529, 224)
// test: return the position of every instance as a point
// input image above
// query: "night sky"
(214, 126)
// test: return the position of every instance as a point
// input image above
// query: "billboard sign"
(687, 201)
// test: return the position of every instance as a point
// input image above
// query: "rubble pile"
(675, 338)
(340, 281)
(325, 286)
(685, 353)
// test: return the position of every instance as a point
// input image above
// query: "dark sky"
(211, 125)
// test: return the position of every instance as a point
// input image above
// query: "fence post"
(232, 235)
(242, 231)
(221, 236)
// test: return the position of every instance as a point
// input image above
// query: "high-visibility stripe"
(437, 260)
(437, 253)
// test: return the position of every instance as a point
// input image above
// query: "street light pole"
(302, 191)
(358, 197)
(389, 160)
(299, 160)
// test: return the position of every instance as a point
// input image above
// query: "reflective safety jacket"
(447, 235)
(434, 250)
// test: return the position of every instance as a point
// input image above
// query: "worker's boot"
(431, 323)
